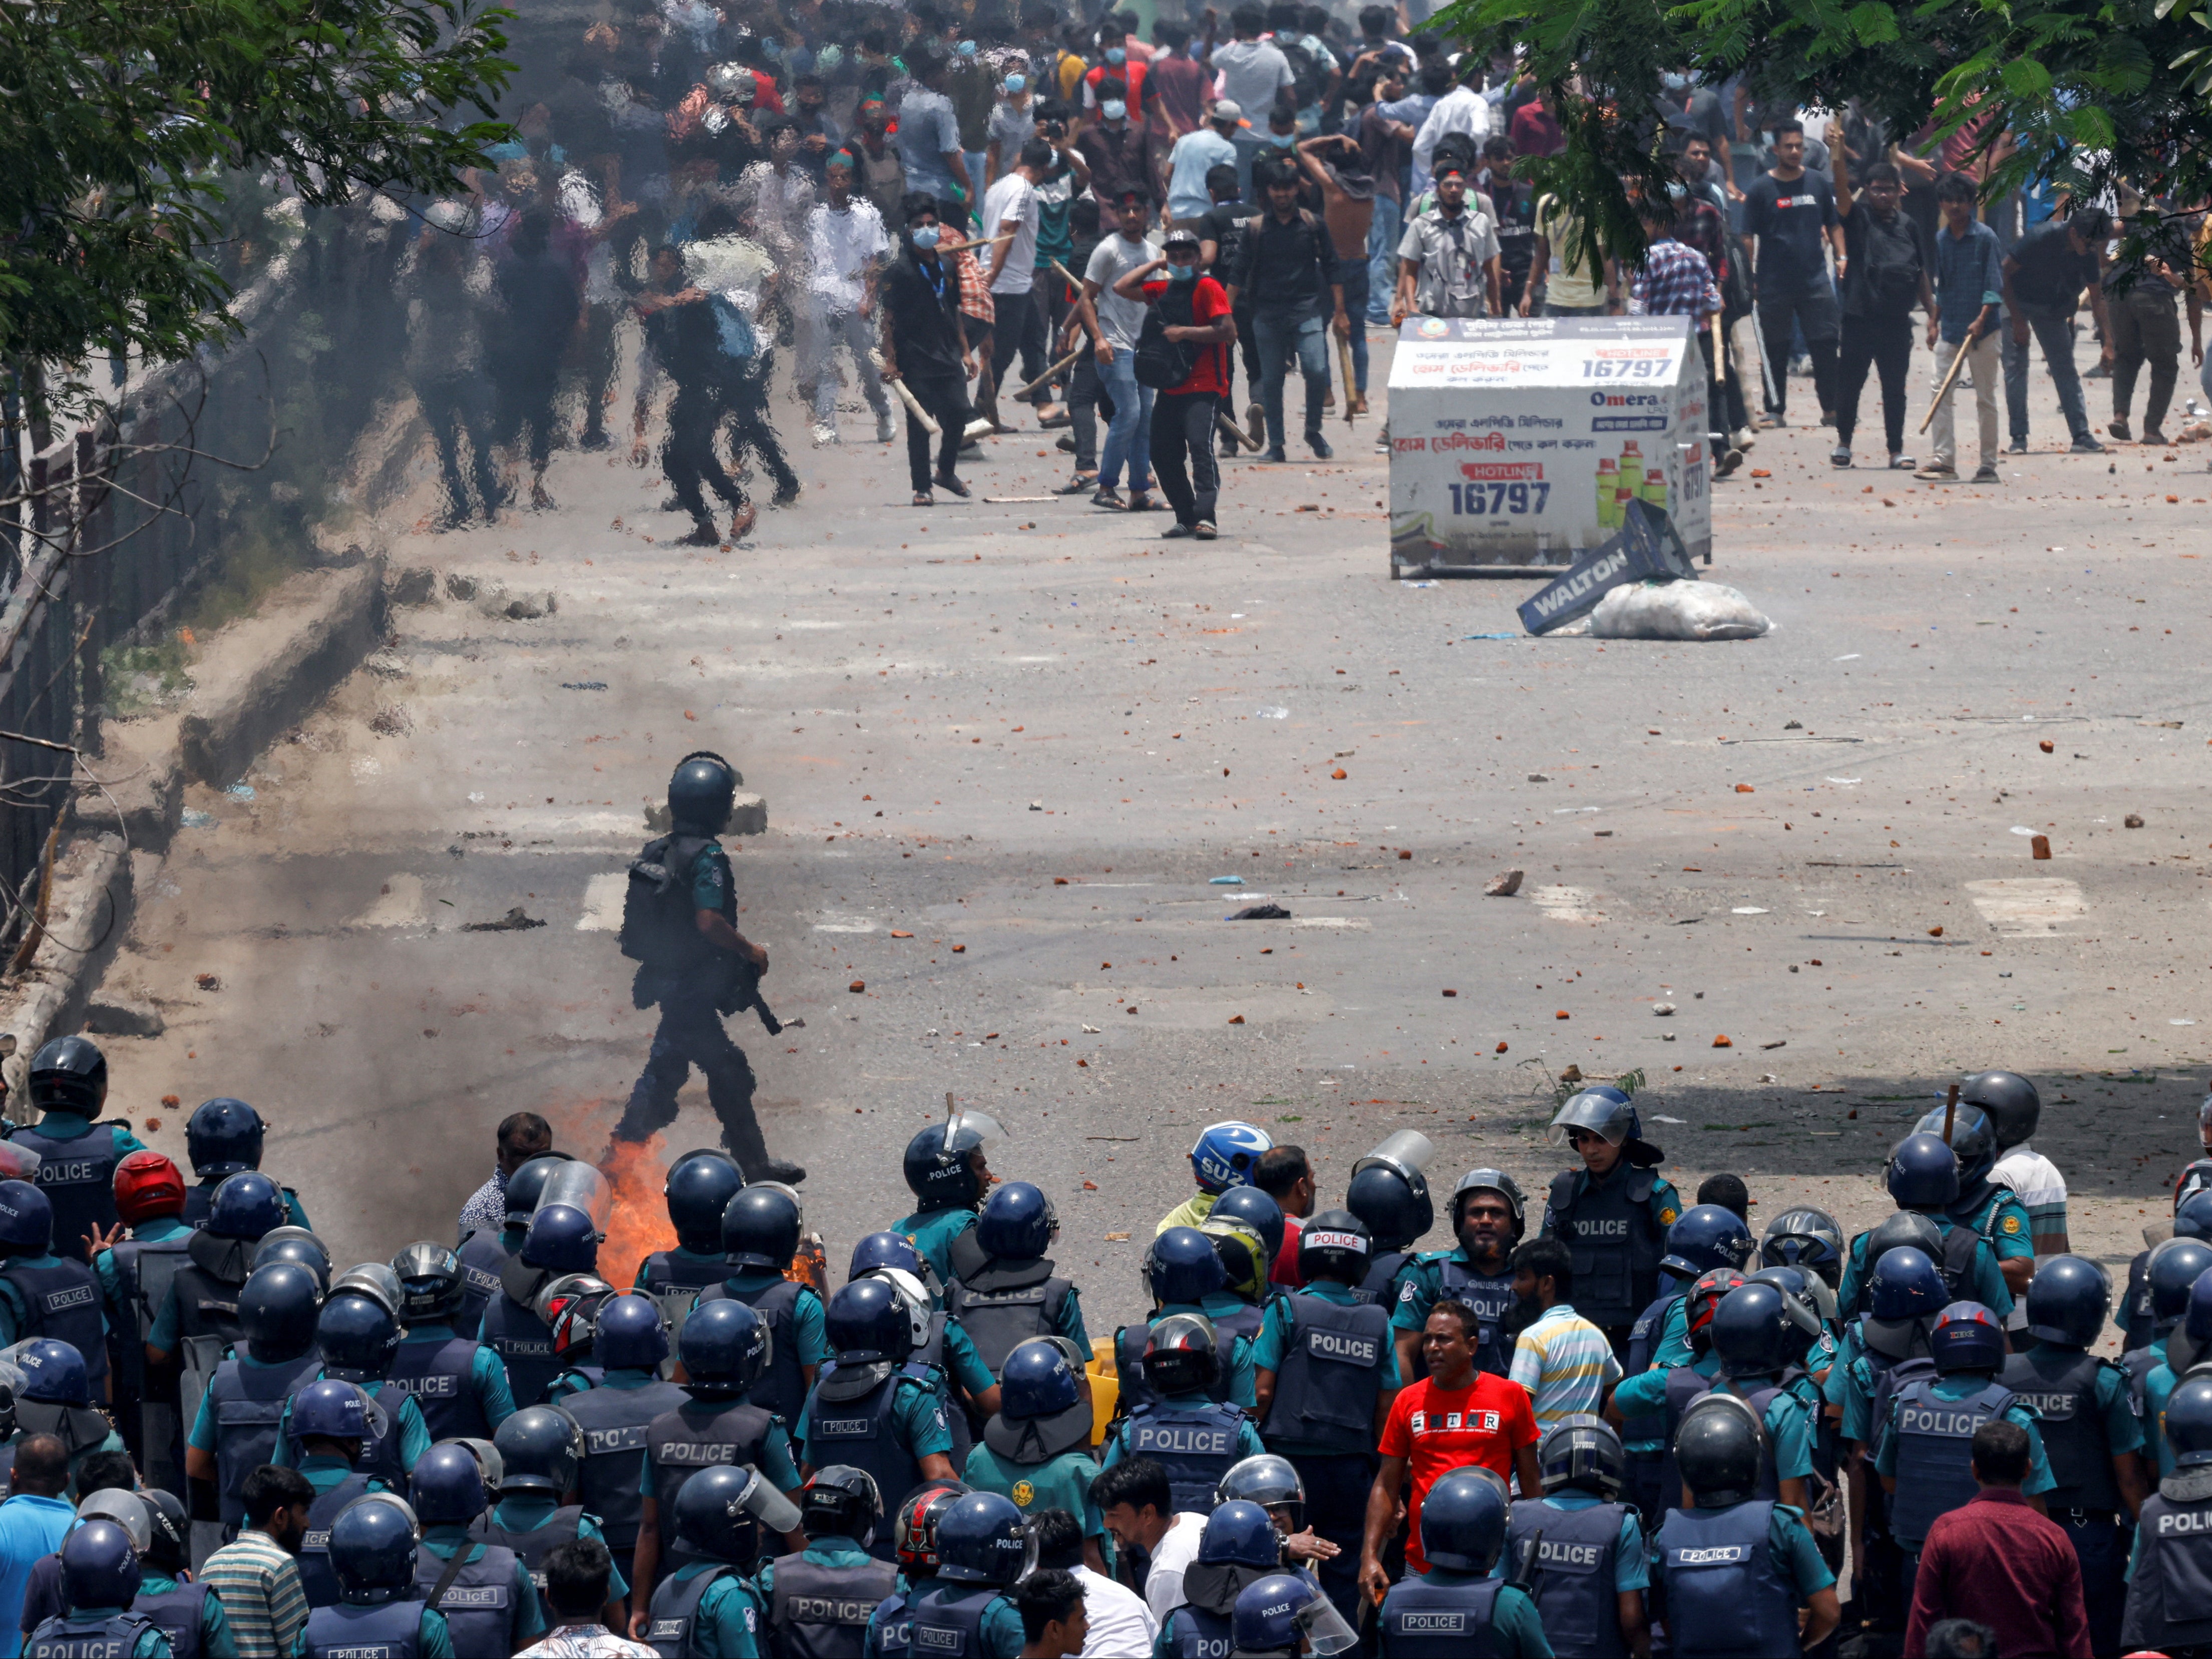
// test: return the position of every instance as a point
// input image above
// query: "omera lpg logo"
(1625, 400)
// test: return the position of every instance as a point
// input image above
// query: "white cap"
(1228, 110)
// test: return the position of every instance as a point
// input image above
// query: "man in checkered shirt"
(1675, 280)
(522, 1136)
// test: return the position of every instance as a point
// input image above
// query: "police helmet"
(2175, 1266)
(1968, 1337)
(1181, 1354)
(53, 1372)
(1973, 1140)
(1463, 1522)
(1706, 1237)
(2196, 1174)
(561, 1239)
(372, 1547)
(1718, 1446)
(1813, 1302)
(2192, 1334)
(276, 1309)
(940, 1161)
(429, 1282)
(568, 1306)
(68, 1075)
(869, 1322)
(726, 1347)
(699, 1188)
(294, 1244)
(539, 1448)
(247, 1205)
(2010, 1101)
(1224, 1154)
(331, 1410)
(761, 1226)
(125, 1508)
(1923, 1173)
(1244, 1253)
(147, 1185)
(221, 1137)
(1604, 1112)
(1257, 1211)
(1279, 1615)
(1270, 1481)
(918, 1513)
(527, 1185)
(2189, 1423)
(981, 1539)
(1755, 1330)
(376, 1281)
(1699, 1301)
(1038, 1381)
(1583, 1453)
(701, 792)
(1394, 1204)
(2068, 1301)
(1805, 1237)
(1181, 1266)
(1907, 1227)
(841, 1502)
(716, 1521)
(1017, 1223)
(891, 1252)
(27, 1220)
(1489, 1181)
(357, 1334)
(1335, 1244)
(2192, 1217)
(1239, 1534)
(100, 1567)
(447, 1486)
(628, 1333)
(1905, 1285)
(169, 1530)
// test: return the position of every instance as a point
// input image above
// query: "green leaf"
(1873, 23)
(2026, 78)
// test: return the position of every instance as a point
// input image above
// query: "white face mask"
(1113, 109)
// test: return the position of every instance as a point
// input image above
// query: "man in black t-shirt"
(2045, 276)
(2142, 278)
(1221, 246)
(1884, 276)
(1790, 224)
(926, 344)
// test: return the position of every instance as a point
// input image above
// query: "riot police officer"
(1985, 1206)
(1456, 1607)
(914, 1529)
(189, 1615)
(459, 1384)
(1489, 1216)
(1614, 1212)
(199, 1321)
(1808, 1239)
(615, 1413)
(761, 1229)
(234, 1429)
(982, 1549)
(1239, 1546)
(357, 1334)
(1225, 1155)
(947, 1168)
(1182, 1271)
(2187, 1346)
(484, 1255)
(715, 1522)
(2089, 1431)
(561, 1240)
(540, 1450)
(43, 1294)
(699, 1188)
(1179, 1425)
(372, 1548)
(222, 1138)
(488, 1600)
(1704, 1238)
(1751, 1336)
(2192, 1222)
(820, 1600)
(680, 925)
(1036, 1449)
(1245, 1228)
(330, 1424)
(1390, 1193)
(101, 1577)
(1923, 1178)
(967, 1385)
(874, 1409)
(1648, 1403)
(2015, 1109)
(134, 1274)
(1588, 1571)
(1003, 1289)
(76, 1155)
(2169, 1606)
(55, 1399)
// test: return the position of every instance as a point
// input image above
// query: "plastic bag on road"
(1676, 610)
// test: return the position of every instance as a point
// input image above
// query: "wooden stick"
(1944, 389)
(1236, 438)
(1344, 363)
(981, 241)
(1950, 1113)
(912, 403)
(1047, 377)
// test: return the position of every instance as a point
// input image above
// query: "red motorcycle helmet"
(147, 1186)
(917, 1523)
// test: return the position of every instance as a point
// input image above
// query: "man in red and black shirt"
(1194, 309)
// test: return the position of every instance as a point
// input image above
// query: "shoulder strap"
(1563, 1190)
(452, 1572)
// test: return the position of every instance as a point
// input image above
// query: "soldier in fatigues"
(2169, 1608)
(1612, 1213)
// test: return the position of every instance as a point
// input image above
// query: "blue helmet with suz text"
(700, 1186)
(1706, 1237)
(1181, 1266)
(1905, 1285)
(1224, 1153)
(1923, 1172)
(1017, 1223)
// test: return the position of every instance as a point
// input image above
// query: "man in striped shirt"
(254, 1577)
(1560, 1357)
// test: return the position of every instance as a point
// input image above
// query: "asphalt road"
(1010, 748)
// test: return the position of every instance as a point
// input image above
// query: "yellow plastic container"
(1105, 1387)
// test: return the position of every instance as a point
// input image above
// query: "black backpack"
(658, 925)
(1163, 364)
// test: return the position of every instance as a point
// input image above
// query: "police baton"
(1524, 1572)
(1951, 1101)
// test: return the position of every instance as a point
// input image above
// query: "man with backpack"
(1182, 353)
(680, 924)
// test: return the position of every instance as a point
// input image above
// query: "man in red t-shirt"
(1182, 415)
(1457, 1417)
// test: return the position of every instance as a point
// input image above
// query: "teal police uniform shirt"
(151, 1644)
(1988, 1284)
(531, 1511)
(932, 1232)
(775, 1459)
(731, 1617)
(216, 1641)
(323, 1472)
(1248, 1443)
(487, 1372)
(1274, 1342)
(414, 1432)
(808, 1322)
(2001, 1219)
(1516, 1631)
(1058, 1483)
(201, 1436)
(433, 1639)
(1237, 1370)
(2158, 1389)
(1418, 1283)
(527, 1622)
(1963, 1385)
(1643, 1396)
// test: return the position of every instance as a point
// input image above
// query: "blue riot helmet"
(889, 1252)
(277, 1309)
(702, 791)
(289, 1244)
(357, 1334)
(2188, 1422)
(628, 1334)
(52, 1372)
(2175, 1266)
(1968, 1337)
(1286, 1614)
(1039, 1381)
(1257, 1211)
(527, 1185)
(100, 1567)
(247, 1205)
(1463, 1522)
(2068, 1301)
(330, 1409)
(2010, 1102)
(1754, 1330)
(2192, 1332)
(1603, 1111)
(68, 1075)
(373, 1545)
(716, 1508)
(1718, 1447)
(1181, 1266)
(1017, 1223)
(1224, 1154)
(1182, 1355)
(1270, 1480)
(562, 1240)
(699, 1188)
(1390, 1191)
(947, 1164)
(2192, 1217)
(27, 1220)
(1583, 1454)
(1805, 1237)
(1905, 1285)
(1973, 1141)
(761, 1226)
(869, 1322)
(841, 1502)
(429, 1282)
(447, 1486)
(1706, 1237)
(1239, 1534)
(374, 1279)
(539, 1448)
(221, 1137)
(1335, 1244)
(724, 1346)
(982, 1540)
(1908, 1227)
(1923, 1173)
(1811, 1304)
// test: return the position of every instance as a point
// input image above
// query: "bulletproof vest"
(178, 1612)
(657, 928)
(1607, 1229)
(2169, 1591)
(658, 1279)
(948, 1620)
(246, 1408)
(615, 1422)
(2061, 1387)
(1194, 1444)
(893, 1621)
(521, 1339)
(848, 1420)
(932, 1354)
(64, 1301)
(1331, 1375)
(1684, 1388)
(142, 1272)
(390, 1630)
(206, 1286)
(440, 1377)
(782, 1386)
(1381, 1273)
(1424, 1620)
(1890, 1378)
(820, 1612)
(698, 1435)
(1002, 1305)
(112, 1638)
(1571, 1579)
(674, 1610)
(1202, 1635)
(1961, 1245)
(316, 1578)
(482, 1256)
(78, 1178)
(1725, 1599)
(479, 1603)
(1935, 1461)
(531, 1548)
(1243, 1320)
(2139, 1364)
(1491, 1296)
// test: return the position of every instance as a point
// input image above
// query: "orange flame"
(638, 1173)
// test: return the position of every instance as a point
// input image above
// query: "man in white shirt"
(1121, 1626)
(1134, 1502)
(1251, 72)
(1463, 109)
(1009, 218)
(1197, 153)
(847, 246)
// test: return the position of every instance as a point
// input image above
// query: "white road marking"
(1563, 903)
(400, 906)
(603, 903)
(836, 924)
(2020, 907)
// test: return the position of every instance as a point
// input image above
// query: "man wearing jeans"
(2045, 276)
(1285, 270)
(1969, 284)
(845, 248)
(1789, 217)
(1129, 437)
(1197, 311)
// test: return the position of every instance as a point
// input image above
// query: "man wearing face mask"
(1119, 148)
(926, 344)
(1488, 1216)
(1115, 62)
(1191, 318)
(1013, 123)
